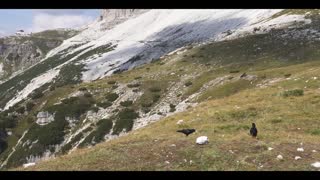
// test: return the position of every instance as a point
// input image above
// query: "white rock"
(202, 140)
(279, 157)
(28, 165)
(297, 157)
(180, 121)
(316, 164)
(300, 149)
(9, 133)
(314, 151)
(167, 162)
(314, 78)
(173, 145)
(270, 148)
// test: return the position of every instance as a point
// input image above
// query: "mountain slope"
(68, 114)
(284, 123)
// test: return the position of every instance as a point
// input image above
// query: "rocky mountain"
(20, 52)
(131, 68)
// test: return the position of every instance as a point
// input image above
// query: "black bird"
(253, 130)
(187, 131)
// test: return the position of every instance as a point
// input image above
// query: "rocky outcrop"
(18, 53)
(112, 17)
(44, 118)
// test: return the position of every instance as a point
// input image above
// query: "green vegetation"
(112, 97)
(295, 92)
(104, 104)
(126, 103)
(125, 120)
(133, 85)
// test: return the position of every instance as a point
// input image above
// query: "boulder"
(202, 140)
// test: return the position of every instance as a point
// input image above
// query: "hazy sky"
(12, 20)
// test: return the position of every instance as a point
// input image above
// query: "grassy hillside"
(285, 123)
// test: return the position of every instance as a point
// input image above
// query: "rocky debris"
(316, 164)
(28, 165)
(280, 157)
(300, 149)
(297, 157)
(44, 118)
(112, 17)
(202, 140)
(270, 148)
(180, 121)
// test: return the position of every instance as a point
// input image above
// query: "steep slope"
(65, 115)
(96, 53)
(18, 53)
(280, 95)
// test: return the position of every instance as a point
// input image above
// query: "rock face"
(44, 118)
(18, 53)
(112, 17)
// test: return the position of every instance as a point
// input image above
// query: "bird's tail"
(180, 131)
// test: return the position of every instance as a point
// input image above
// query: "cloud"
(42, 20)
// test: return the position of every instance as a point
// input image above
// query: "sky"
(35, 20)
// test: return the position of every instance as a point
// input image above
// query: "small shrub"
(146, 110)
(234, 71)
(146, 105)
(36, 95)
(87, 129)
(155, 89)
(125, 119)
(135, 90)
(133, 85)
(52, 88)
(82, 89)
(139, 77)
(21, 110)
(87, 95)
(155, 97)
(104, 104)
(178, 95)
(275, 121)
(189, 83)
(295, 92)
(287, 75)
(114, 87)
(172, 110)
(94, 109)
(111, 82)
(112, 97)
(172, 106)
(126, 103)
(315, 132)
(29, 106)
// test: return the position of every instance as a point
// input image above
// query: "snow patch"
(34, 84)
